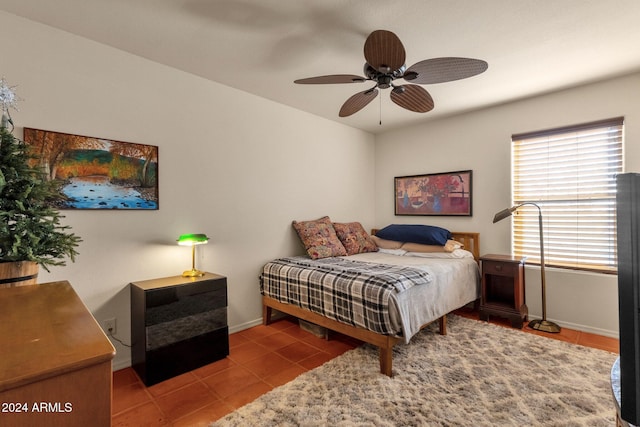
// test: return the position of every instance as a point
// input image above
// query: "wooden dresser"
(55, 361)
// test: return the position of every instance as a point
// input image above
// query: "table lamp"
(538, 324)
(193, 240)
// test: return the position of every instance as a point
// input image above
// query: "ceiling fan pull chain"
(380, 112)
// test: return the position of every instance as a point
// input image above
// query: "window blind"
(570, 173)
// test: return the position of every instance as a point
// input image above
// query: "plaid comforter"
(352, 292)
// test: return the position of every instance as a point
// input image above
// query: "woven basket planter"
(19, 273)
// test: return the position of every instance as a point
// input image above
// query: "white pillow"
(457, 253)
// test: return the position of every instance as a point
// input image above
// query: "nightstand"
(177, 324)
(503, 290)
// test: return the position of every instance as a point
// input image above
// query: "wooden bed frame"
(385, 343)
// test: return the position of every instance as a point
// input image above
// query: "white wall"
(232, 165)
(481, 141)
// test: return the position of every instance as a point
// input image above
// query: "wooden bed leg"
(443, 325)
(386, 360)
(266, 314)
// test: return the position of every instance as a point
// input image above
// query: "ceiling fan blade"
(440, 70)
(413, 98)
(358, 101)
(384, 51)
(331, 79)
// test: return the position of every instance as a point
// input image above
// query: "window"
(570, 173)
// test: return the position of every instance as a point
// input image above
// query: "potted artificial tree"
(30, 231)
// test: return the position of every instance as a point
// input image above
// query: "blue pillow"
(415, 233)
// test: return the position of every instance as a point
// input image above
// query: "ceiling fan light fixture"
(384, 81)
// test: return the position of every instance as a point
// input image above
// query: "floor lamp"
(538, 324)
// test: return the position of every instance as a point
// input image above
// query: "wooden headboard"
(471, 241)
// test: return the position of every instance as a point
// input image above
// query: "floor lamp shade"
(538, 324)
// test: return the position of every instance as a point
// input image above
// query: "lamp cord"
(117, 339)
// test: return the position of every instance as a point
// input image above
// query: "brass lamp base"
(544, 326)
(193, 273)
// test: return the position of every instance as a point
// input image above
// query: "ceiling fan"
(385, 56)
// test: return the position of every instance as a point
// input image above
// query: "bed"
(447, 283)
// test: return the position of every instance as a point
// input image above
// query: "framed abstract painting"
(96, 173)
(447, 194)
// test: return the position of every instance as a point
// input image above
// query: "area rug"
(479, 374)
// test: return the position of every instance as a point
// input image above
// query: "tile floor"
(261, 358)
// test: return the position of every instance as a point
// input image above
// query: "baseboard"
(117, 365)
(246, 325)
(585, 328)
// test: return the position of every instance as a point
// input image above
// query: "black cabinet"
(177, 324)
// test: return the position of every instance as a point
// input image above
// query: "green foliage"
(30, 228)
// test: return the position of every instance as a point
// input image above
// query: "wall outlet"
(109, 326)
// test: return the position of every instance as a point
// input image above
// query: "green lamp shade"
(192, 239)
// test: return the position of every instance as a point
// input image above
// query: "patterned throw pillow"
(354, 238)
(319, 238)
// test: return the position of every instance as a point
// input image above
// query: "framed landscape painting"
(96, 173)
(447, 193)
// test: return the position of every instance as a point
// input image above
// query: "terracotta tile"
(248, 394)
(236, 340)
(229, 381)
(319, 343)
(124, 376)
(146, 415)
(282, 324)
(565, 334)
(257, 332)
(129, 396)
(185, 400)
(205, 416)
(598, 341)
(284, 376)
(298, 333)
(316, 360)
(268, 365)
(297, 351)
(347, 340)
(336, 348)
(171, 384)
(335, 336)
(323, 343)
(214, 368)
(246, 352)
(276, 341)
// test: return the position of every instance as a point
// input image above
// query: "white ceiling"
(262, 46)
